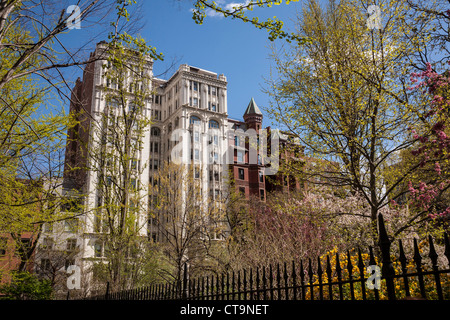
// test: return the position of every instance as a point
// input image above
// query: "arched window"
(213, 124)
(156, 132)
(195, 120)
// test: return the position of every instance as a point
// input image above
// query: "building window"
(71, 245)
(195, 102)
(261, 193)
(213, 107)
(196, 173)
(133, 184)
(261, 176)
(196, 154)
(242, 190)
(213, 124)
(98, 249)
(47, 243)
(236, 141)
(69, 262)
(240, 156)
(195, 85)
(196, 136)
(3, 245)
(135, 164)
(46, 265)
(241, 174)
(71, 225)
(216, 140)
(156, 132)
(48, 227)
(195, 120)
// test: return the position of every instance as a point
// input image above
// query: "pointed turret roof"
(252, 108)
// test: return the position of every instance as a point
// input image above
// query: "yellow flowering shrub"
(400, 292)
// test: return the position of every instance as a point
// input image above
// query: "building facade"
(188, 122)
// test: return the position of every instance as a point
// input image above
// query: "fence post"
(107, 291)
(184, 288)
(387, 269)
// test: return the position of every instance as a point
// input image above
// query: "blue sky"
(232, 47)
(222, 45)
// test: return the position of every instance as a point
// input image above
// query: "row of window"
(212, 124)
(196, 102)
(241, 175)
(70, 225)
(261, 193)
(48, 244)
(196, 86)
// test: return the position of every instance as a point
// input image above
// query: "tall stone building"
(191, 104)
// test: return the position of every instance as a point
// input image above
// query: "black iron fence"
(354, 275)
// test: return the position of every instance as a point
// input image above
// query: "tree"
(189, 222)
(116, 163)
(32, 140)
(26, 286)
(344, 94)
(238, 11)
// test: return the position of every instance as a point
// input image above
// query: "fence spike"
(403, 262)
(339, 276)
(244, 283)
(208, 287)
(271, 281)
(350, 274)
(387, 268)
(302, 280)
(329, 275)
(319, 276)
(373, 262)
(278, 282)
(311, 279)
(418, 260)
(228, 286)
(250, 284)
(239, 285)
(447, 248)
(362, 270)
(264, 279)
(294, 281)
(217, 287)
(434, 260)
(233, 286)
(222, 286)
(285, 276)
(257, 283)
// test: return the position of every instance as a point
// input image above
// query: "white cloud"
(224, 5)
